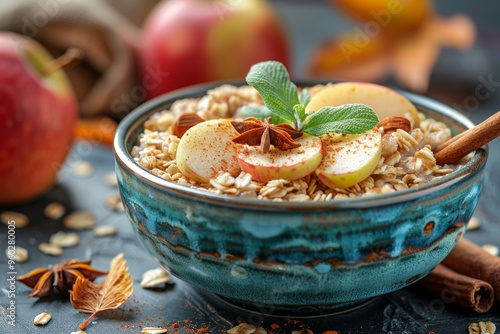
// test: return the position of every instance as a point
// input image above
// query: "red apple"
(186, 42)
(37, 116)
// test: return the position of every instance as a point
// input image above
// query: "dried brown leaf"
(93, 298)
(410, 54)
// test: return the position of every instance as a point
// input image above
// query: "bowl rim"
(134, 120)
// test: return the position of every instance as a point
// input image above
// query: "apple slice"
(383, 100)
(349, 159)
(206, 149)
(276, 164)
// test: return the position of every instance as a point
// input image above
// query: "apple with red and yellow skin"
(37, 115)
(186, 42)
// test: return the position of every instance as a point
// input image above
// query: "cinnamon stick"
(459, 289)
(468, 141)
(471, 260)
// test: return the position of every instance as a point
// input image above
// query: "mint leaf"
(262, 113)
(271, 80)
(347, 118)
(304, 97)
(300, 112)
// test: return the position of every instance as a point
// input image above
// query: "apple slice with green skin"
(206, 149)
(349, 159)
(276, 164)
(383, 100)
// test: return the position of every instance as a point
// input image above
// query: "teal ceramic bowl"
(305, 258)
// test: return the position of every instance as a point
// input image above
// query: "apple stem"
(71, 57)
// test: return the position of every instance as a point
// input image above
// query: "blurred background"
(438, 48)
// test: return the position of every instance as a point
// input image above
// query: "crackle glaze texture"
(308, 256)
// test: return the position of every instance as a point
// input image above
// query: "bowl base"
(286, 311)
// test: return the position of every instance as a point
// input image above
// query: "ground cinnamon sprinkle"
(292, 321)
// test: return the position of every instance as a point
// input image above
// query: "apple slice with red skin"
(384, 101)
(206, 149)
(349, 159)
(277, 164)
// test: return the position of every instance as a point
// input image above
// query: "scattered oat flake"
(110, 179)
(155, 278)
(245, 328)
(19, 254)
(54, 210)
(20, 220)
(474, 223)
(105, 230)
(65, 239)
(49, 249)
(492, 249)
(114, 202)
(303, 331)
(42, 319)
(82, 168)
(79, 220)
(482, 327)
(79, 332)
(154, 330)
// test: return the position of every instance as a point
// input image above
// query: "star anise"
(254, 132)
(61, 276)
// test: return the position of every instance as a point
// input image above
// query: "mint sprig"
(263, 113)
(347, 118)
(271, 80)
(284, 105)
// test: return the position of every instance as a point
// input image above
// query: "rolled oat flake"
(154, 330)
(42, 319)
(19, 219)
(79, 220)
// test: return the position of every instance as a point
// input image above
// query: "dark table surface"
(185, 310)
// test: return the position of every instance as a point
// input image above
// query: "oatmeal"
(407, 158)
